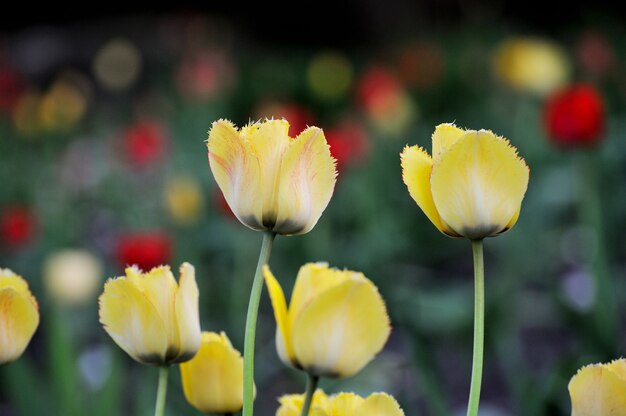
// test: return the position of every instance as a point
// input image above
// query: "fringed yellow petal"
(479, 184)
(344, 404)
(313, 279)
(291, 404)
(160, 287)
(19, 316)
(599, 390)
(187, 314)
(445, 135)
(379, 404)
(133, 322)
(283, 331)
(353, 320)
(305, 184)
(237, 173)
(269, 142)
(213, 379)
(417, 166)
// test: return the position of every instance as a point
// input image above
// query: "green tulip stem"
(479, 327)
(253, 311)
(311, 385)
(159, 409)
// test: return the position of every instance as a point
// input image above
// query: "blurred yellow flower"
(341, 404)
(473, 184)
(213, 379)
(531, 64)
(183, 199)
(271, 181)
(599, 390)
(72, 276)
(336, 322)
(19, 316)
(151, 317)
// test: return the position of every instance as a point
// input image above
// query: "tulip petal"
(306, 183)
(19, 318)
(380, 404)
(213, 379)
(237, 173)
(417, 166)
(599, 390)
(479, 184)
(133, 322)
(345, 404)
(159, 287)
(341, 329)
(269, 141)
(445, 135)
(187, 315)
(313, 279)
(283, 332)
(291, 404)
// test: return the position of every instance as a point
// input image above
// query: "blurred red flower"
(377, 87)
(11, 88)
(348, 143)
(17, 225)
(144, 142)
(575, 116)
(144, 249)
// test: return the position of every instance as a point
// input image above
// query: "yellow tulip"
(151, 317)
(19, 316)
(271, 181)
(213, 379)
(336, 322)
(183, 199)
(531, 64)
(342, 404)
(473, 184)
(599, 390)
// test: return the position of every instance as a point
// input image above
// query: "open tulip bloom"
(153, 318)
(472, 186)
(335, 324)
(272, 183)
(19, 316)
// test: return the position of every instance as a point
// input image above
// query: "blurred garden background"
(103, 119)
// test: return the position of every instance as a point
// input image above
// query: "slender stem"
(253, 311)
(479, 327)
(161, 392)
(311, 385)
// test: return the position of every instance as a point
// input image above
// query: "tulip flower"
(153, 318)
(342, 404)
(271, 181)
(471, 187)
(150, 316)
(473, 184)
(213, 379)
(19, 316)
(599, 390)
(575, 116)
(342, 305)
